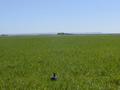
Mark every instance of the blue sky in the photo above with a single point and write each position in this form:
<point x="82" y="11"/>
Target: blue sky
<point x="51" y="16"/>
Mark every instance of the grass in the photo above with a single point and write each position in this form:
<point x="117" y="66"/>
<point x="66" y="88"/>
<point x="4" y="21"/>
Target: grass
<point x="81" y="62"/>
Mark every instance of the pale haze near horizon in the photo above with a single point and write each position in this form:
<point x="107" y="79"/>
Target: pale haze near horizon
<point x="52" y="16"/>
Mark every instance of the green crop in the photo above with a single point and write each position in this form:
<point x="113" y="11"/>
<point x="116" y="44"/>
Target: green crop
<point x="80" y="62"/>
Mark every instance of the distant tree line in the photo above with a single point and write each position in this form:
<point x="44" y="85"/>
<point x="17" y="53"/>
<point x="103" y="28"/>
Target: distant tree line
<point x="62" y="33"/>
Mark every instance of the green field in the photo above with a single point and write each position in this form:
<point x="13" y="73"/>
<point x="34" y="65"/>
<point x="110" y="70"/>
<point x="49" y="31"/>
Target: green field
<point x="81" y="62"/>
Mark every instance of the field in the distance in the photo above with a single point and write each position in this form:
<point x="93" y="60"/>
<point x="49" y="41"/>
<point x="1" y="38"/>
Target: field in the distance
<point x="81" y="62"/>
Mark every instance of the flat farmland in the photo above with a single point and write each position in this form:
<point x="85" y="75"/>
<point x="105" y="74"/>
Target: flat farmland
<point x="80" y="62"/>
